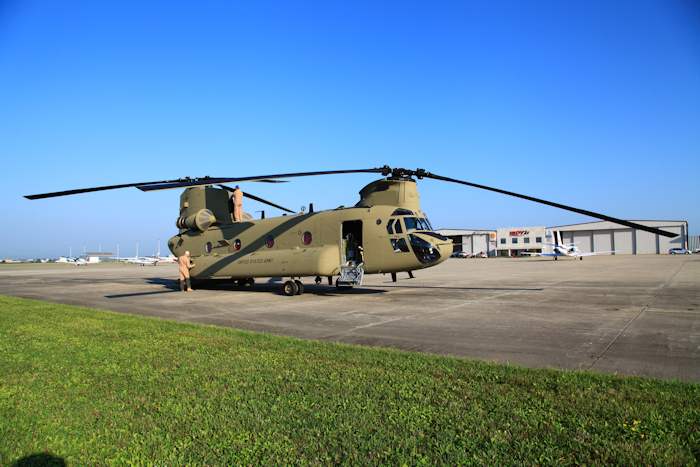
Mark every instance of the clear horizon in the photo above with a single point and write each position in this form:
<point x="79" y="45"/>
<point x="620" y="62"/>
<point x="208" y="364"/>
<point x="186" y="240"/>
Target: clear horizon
<point x="593" y="105"/>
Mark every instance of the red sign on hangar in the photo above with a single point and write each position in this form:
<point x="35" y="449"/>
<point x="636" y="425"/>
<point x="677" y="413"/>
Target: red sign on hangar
<point x="517" y="233"/>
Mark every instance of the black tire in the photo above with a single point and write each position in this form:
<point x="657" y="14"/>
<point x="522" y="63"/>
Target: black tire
<point x="290" y="288"/>
<point x="673" y="252"/>
<point x="300" y="287"/>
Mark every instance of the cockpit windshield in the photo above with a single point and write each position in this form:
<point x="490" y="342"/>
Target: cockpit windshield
<point x="412" y="223"/>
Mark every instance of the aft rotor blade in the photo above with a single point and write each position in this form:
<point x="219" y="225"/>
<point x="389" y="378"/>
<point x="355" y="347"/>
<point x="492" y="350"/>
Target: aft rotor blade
<point x="206" y="180"/>
<point x="200" y="182"/>
<point x="557" y="205"/>
<point x="203" y="181"/>
<point x="248" y="195"/>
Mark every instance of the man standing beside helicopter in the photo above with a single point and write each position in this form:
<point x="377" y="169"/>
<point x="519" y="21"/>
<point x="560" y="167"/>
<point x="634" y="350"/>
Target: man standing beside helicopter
<point x="237" y="204"/>
<point x="185" y="266"/>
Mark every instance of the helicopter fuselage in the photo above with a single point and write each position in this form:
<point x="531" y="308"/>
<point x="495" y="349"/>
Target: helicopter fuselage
<point x="382" y="238"/>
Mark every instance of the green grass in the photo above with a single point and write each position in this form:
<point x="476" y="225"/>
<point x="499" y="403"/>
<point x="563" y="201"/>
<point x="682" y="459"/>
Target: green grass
<point x="99" y="388"/>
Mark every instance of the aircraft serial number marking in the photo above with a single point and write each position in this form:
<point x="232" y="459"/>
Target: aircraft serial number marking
<point x="255" y="261"/>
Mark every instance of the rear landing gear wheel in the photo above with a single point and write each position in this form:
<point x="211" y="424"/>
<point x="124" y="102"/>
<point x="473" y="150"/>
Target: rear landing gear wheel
<point x="300" y="287"/>
<point x="290" y="288"/>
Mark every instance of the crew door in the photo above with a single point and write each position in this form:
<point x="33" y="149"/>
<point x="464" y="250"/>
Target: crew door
<point x="352" y="249"/>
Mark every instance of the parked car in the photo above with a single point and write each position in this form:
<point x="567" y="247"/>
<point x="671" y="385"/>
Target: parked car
<point x="678" y="251"/>
<point x="459" y="254"/>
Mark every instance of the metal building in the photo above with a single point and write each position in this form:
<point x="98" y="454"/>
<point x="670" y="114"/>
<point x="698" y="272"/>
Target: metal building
<point x="471" y="241"/>
<point x="608" y="236"/>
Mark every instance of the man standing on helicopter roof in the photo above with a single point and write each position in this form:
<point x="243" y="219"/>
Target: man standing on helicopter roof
<point x="237" y="204"/>
<point x="185" y="266"/>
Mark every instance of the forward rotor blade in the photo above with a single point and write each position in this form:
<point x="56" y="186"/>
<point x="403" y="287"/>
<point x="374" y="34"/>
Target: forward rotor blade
<point x="557" y="205"/>
<point x="248" y="195"/>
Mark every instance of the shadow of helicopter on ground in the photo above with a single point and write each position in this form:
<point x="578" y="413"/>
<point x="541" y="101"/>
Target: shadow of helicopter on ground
<point x="271" y="286"/>
<point x="274" y="286"/>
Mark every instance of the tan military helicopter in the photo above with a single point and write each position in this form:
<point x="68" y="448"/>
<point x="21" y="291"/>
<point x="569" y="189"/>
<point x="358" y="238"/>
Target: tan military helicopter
<point x="385" y="232"/>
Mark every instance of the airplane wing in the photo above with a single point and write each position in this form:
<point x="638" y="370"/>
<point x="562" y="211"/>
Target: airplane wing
<point x="596" y="253"/>
<point x="540" y="254"/>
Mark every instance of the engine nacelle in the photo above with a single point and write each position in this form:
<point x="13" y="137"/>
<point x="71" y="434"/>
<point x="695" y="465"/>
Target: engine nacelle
<point x="201" y="221"/>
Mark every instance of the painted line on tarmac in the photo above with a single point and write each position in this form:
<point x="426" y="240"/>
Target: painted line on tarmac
<point x="599" y="356"/>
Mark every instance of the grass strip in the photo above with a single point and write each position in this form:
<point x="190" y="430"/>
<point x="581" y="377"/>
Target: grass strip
<point x="101" y="388"/>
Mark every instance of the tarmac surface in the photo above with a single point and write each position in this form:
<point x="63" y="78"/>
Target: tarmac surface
<point x="627" y="315"/>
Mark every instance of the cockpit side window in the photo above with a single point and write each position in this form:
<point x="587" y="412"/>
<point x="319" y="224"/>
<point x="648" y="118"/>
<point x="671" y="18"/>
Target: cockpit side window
<point x="427" y="222"/>
<point x="397" y="226"/>
<point x="399" y="245"/>
<point x="412" y="223"/>
<point x="389" y="227"/>
<point x="426" y="225"/>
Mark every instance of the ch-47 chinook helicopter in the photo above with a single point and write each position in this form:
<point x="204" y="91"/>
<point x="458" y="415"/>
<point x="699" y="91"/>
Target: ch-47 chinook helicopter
<point x="385" y="232"/>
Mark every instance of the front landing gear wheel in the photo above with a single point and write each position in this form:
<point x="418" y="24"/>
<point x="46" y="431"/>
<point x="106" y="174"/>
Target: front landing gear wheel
<point x="300" y="287"/>
<point x="290" y="288"/>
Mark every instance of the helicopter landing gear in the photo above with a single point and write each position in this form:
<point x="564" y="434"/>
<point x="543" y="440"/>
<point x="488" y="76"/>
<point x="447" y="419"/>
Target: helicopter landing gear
<point x="246" y="282"/>
<point x="300" y="287"/>
<point x="290" y="288"/>
<point x="317" y="280"/>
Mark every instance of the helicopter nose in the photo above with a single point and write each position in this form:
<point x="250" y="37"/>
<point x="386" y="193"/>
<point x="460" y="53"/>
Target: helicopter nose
<point x="430" y="248"/>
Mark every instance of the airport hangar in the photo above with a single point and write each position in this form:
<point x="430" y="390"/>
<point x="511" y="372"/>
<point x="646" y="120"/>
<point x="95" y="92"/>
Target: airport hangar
<point x="588" y="237"/>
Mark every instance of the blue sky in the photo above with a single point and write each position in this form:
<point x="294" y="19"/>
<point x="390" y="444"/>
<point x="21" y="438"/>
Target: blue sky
<point x="590" y="104"/>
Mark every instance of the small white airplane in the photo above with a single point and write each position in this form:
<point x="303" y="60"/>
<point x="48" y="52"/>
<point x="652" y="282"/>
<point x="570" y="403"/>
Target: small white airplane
<point x="167" y="259"/>
<point x="567" y="249"/>
<point x="142" y="261"/>
<point x="66" y="260"/>
<point x="76" y="261"/>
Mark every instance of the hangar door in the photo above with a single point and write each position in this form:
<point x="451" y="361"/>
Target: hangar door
<point x="623" y="242"/>
<point x="583" y="241"/>
<point x="467" y="243"/>
<point x="666" y="243"/>
<point x="480" y="243"/>
<point x="602" y="240"/>
<point x="646" y="243"/>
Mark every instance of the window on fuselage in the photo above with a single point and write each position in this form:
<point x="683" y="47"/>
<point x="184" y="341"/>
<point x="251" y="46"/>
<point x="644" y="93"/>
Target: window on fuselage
<point x="390" y="227"/>
<point x="426" y="224"/>
<point x="397" y="226"/>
